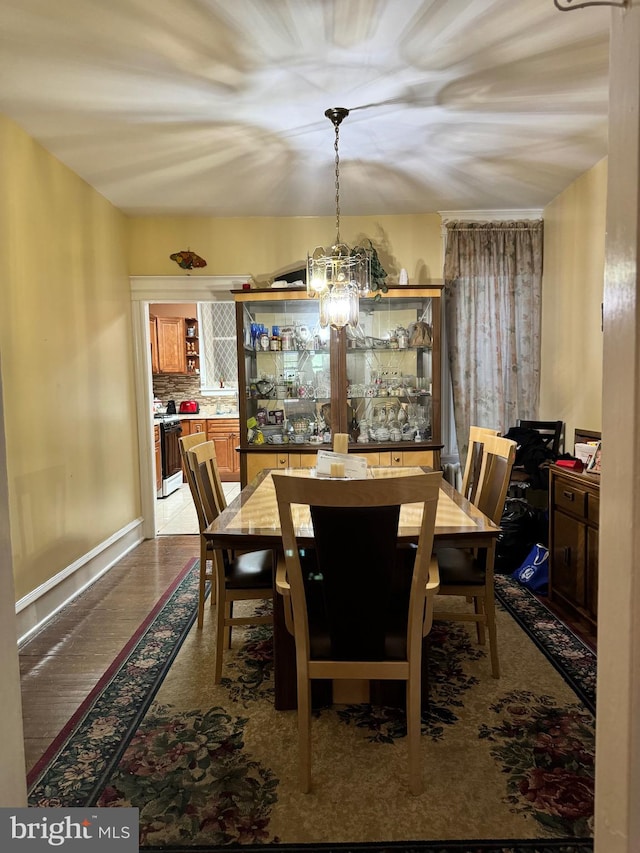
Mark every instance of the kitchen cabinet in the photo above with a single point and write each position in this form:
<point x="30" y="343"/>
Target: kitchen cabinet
<point x="168" y="339"/>
<point x="380" y="382"/>
<point x="574" y="508"/>
<point x="153" y="337"/>
<point x="158" y="457"/>
<point x="224" y="432"/>
<point x="192" y="346"/>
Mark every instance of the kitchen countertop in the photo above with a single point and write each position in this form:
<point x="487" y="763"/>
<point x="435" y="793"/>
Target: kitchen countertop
<point x="207" y="416"/>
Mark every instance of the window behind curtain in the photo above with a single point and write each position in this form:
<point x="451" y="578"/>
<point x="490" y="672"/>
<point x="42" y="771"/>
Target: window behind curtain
<point x="493" y="299"/>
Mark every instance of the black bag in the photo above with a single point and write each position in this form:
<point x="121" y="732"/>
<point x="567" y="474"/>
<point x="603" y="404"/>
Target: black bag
<point x="531" y="455"/>
<point x="522" y="526"/>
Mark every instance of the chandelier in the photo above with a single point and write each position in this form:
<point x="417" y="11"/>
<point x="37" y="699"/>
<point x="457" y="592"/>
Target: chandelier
<point x="337" y="274"/>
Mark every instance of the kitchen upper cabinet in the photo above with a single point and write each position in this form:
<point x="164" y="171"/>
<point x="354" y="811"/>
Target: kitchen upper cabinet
<point x="153" y="337"/>
<point x="169" y="345"/>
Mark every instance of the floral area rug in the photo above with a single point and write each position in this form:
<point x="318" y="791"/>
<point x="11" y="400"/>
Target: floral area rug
<point x="508" y="764"/>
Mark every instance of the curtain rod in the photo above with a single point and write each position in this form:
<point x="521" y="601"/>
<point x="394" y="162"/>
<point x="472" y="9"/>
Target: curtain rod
<point x="494" y="226"/>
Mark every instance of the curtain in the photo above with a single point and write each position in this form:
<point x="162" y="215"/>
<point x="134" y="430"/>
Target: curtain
<point x="493" y="302"/>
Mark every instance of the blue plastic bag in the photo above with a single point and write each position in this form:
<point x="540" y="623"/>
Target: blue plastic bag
<point x="534" y="571"/>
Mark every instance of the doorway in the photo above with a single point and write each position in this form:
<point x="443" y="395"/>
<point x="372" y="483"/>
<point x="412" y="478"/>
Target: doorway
<point x="146" y="290"/>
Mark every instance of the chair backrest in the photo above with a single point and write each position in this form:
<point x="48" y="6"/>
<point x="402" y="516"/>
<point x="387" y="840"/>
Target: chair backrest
<point x="552" y="433"/>
<point x="346" y="594"/>
<point x="475" y="446"/>
<point x="186" y="442"/>
<point x="204" y="466"/>
<point x="493" y="483"/>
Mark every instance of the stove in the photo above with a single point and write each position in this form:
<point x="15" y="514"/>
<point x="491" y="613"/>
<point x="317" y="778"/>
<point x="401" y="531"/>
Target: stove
<point x="167" y="419"/>
<point x="170" y="431"/>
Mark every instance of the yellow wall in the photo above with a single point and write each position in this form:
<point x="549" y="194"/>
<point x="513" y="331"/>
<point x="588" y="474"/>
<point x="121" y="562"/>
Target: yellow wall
<point x="262" y="247"/>
<point x="573" y="281"/>
<point x="67" y="362"/>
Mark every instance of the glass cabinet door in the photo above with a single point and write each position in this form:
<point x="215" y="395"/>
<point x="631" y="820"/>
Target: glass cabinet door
<point x="392" y="365"/>
<point x="286" y="371"/>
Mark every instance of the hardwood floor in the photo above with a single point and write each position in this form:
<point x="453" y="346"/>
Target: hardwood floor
<point x="62" y="663"/>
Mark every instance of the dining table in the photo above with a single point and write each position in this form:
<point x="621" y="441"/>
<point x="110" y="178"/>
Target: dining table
<point x="252" y="522"/>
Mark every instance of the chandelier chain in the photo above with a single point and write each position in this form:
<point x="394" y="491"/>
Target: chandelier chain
<point x="335" y="145"/>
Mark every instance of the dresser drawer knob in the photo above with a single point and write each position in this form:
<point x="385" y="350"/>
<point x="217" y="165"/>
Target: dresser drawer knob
<point x="570" y="496"/>
<point x="396" y="458"/>
<point x="566" y="554"/>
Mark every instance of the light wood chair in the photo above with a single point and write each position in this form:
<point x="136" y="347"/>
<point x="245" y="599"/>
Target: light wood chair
<point x="187" y="442"/>
<point x="473" y="464"/>
<point x="351" y="615"/>
<point x="238" y="577"/>
<point x="470" y="574"/>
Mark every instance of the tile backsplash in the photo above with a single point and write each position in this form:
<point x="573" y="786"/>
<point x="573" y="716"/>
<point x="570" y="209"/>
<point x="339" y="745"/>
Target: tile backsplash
<point x="182" y="387"/>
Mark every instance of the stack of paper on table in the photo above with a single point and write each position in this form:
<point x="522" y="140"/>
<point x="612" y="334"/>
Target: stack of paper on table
<point x="344" y="465"/>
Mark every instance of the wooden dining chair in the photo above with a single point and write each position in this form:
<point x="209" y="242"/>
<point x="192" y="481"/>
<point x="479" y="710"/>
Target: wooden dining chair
<point x="238" y="577"/>
<point x="350" y="614"/>
<point x="470" y="573"/>
<point x="186" y="442"/>
<point x="473" y="464"/>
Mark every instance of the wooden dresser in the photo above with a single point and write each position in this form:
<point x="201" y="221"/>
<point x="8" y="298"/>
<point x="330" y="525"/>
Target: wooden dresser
<point x="574" y="508"/>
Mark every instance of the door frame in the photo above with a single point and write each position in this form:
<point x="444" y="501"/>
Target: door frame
<point x="145" y="290"/>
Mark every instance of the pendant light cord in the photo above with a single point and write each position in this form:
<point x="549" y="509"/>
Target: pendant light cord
<point x="335" y="145"/>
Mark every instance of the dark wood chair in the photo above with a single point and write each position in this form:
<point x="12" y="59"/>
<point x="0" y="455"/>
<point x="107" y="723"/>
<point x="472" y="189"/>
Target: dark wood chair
<point x="368" y="615"/>
<point x="552" y="433"/>
<point x="530" y="476"/>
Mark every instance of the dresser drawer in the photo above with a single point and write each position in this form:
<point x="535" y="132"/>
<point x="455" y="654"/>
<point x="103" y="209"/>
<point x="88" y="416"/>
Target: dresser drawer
<point x="570" y="498"/>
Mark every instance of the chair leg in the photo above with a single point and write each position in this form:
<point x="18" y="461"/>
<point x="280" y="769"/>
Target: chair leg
<point x="213" y="595"/>
<point x="304" y="732"/>
<point x="490" y="612"/>
<point x="414" y="725"/>
<point x="228" y="613"/>
<point x="479" y="611"/>
<point x="202" y="582"/>
<point x="220" y="618"/>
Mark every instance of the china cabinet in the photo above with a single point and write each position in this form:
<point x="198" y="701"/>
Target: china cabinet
<point x="301" y="383"/>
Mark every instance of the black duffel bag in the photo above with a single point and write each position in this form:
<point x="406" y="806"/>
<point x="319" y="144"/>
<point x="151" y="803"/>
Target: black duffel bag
<point x="522" y="526"/>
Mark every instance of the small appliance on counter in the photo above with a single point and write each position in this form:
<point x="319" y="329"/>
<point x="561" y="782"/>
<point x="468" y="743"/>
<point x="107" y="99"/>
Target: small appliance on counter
<point x="189" y="407"/>
<point x="171" y="407"/>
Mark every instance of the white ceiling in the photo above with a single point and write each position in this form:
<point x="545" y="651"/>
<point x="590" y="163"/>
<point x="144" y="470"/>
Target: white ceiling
<point x="217" y="107"/>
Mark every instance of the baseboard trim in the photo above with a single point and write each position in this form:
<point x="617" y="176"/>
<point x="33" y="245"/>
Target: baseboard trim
<point x="36" y="608"/>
